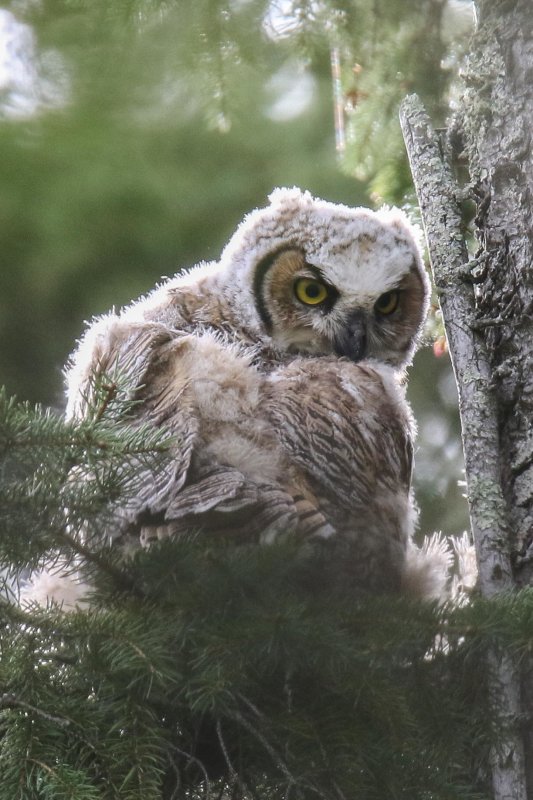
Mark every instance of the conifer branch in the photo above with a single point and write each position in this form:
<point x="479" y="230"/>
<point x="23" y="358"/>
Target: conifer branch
<point x="120" y="578"/>
<point x="9" y="700"/>
<point x="193" y="760"/>
<point x="276" y="758"/>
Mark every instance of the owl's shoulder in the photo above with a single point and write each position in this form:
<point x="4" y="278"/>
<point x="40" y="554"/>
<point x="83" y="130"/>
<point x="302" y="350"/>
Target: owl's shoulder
<point x="362" y="381"/>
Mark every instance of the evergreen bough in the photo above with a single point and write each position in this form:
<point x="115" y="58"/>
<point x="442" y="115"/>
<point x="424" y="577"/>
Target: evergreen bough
<point x="203" y="668"/>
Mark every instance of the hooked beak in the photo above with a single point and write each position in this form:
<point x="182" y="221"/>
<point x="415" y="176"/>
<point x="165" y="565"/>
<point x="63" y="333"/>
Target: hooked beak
<point x="351" y="341"/>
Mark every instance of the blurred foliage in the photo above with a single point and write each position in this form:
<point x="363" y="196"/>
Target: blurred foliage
<point x="136" y="134"/>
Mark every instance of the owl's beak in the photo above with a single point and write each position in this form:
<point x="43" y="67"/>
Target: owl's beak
<point x="351" y="340"/>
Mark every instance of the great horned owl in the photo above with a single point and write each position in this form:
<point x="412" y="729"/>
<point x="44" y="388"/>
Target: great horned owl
<point x="279" y="369"/>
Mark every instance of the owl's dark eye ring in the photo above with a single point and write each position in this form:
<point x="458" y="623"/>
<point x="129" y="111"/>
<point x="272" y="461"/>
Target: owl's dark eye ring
<point x="310" y="291"/>
<point x="387" y="303"/>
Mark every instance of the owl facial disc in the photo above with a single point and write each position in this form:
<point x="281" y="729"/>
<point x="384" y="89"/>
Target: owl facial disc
<point x="318" y="278"/>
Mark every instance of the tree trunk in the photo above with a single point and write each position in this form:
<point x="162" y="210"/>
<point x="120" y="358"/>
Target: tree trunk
<point x="487" y="306"/>
<point x="496" y="125"/>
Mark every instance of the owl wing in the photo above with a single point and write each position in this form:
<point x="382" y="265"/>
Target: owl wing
<point x="348" y="429"/>
<point x="117" y="376"/>
<point x="153" y="369"/>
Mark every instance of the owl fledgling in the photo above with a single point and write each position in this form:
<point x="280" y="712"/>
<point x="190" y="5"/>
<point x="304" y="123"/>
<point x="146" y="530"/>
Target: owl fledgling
<point x="279" y="368"/>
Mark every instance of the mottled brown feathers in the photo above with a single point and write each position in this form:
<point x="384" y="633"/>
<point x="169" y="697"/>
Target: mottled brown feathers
<point x="274" y="433"/>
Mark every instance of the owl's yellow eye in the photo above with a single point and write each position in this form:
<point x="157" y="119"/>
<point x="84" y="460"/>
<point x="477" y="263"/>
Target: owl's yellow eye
<point x="387" y="303"/>
<point x="310" y="291"/>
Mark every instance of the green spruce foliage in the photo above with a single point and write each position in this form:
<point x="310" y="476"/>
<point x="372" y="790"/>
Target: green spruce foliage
<point x="204" y="668"/>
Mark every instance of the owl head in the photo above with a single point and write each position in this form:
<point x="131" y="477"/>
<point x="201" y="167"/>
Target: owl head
<point x="320" y="278"/>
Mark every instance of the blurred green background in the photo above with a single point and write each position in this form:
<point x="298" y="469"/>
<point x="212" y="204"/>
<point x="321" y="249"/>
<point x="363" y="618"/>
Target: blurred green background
<point x="135" y="135"/>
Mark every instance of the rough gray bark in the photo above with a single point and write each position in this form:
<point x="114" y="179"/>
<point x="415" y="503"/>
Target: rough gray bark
<point x="438" y="197"/>
<point x="496" y="129"/>
<point x="490" y="328"/>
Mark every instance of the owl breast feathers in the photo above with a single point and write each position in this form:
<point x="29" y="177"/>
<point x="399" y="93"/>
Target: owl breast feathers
<point x="279" y="371"/>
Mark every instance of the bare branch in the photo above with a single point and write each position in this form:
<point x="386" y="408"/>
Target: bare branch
<point x="437" y="196"/>
<point x="11" y="701"/>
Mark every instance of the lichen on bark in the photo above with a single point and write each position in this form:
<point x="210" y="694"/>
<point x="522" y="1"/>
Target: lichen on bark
<point x="496" y="125"/>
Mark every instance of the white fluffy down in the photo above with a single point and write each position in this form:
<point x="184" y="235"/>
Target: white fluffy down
<point x="440" y="569"/>
<point x="224" y="390"/>
<point x="65" y="590"/>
